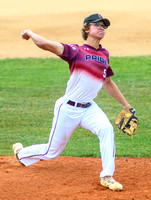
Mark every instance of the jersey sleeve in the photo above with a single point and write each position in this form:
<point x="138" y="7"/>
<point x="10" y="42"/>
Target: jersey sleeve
<point x="70" y="52"/>
<point x="109" y="72"/>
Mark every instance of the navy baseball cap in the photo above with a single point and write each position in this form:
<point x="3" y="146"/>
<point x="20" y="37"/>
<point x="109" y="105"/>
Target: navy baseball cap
<point x="95" y="18"/>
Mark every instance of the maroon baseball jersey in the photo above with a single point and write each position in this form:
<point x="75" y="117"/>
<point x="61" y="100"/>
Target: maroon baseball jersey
<point x="89" y="68"/>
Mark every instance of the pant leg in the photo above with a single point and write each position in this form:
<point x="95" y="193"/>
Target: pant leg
<point x="65" y="121"/>
<point x="97" y="122"/>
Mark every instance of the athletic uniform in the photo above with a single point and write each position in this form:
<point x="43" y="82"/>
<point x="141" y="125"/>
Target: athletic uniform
<point x="89" y="68"/>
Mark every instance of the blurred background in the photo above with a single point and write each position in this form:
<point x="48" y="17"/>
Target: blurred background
<point x="61" y="21"/>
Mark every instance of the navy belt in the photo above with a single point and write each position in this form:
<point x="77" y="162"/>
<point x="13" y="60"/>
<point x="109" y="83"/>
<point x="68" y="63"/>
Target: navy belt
<point x="72" y="103"/>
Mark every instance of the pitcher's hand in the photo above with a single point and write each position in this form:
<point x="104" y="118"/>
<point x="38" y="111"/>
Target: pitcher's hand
<point x="26" y="34"/>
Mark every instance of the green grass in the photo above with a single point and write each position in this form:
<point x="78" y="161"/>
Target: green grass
<point x="30" y="87"/>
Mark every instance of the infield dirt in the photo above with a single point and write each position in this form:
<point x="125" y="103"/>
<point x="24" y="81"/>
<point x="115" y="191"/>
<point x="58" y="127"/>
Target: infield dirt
<point x="70" y="177"/>
<point x="74" y="179"/>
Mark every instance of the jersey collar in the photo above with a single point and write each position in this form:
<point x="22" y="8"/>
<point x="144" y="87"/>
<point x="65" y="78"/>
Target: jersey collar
<point x="88" y="46"/>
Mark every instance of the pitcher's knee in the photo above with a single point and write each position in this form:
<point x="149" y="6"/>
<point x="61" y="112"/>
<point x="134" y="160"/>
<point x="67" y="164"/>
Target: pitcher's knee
<point x="53" y="153"/>
<point x="107" y="130"/>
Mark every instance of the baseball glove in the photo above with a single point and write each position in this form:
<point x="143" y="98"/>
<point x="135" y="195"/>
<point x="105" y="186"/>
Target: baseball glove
<point x="127" y="121"/>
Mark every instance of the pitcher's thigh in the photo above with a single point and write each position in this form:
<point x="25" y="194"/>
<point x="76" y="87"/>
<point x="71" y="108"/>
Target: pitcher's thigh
<point x="95" y="120"/>
<point x="63" y="126"/>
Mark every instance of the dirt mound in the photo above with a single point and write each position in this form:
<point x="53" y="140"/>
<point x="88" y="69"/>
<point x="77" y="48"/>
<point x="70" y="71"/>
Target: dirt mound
<point x="74" y="179"/>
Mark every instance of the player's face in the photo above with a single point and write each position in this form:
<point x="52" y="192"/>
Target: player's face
<point x="97" y="30"/>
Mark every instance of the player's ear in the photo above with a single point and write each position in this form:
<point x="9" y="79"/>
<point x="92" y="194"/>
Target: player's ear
<point x="86" y="28"/>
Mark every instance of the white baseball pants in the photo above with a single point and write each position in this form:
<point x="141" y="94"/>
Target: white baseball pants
<point x="66" y="119"/>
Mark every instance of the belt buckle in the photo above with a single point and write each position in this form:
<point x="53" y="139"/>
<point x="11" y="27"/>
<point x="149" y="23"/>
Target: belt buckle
<point x="79" y="105"/>
<point x="84" y="105"/>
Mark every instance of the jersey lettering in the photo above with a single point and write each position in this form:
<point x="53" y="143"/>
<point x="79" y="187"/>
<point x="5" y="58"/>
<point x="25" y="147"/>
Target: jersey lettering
<point x="96" y="58"/>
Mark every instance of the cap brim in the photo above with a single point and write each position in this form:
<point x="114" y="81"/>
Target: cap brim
<point x="106" y="21"/>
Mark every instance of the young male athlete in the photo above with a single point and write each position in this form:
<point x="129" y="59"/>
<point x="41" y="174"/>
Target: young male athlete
<point x="90" y="70"/>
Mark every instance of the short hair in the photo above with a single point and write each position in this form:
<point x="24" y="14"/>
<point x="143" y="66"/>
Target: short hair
<point x="85" y="27"/>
